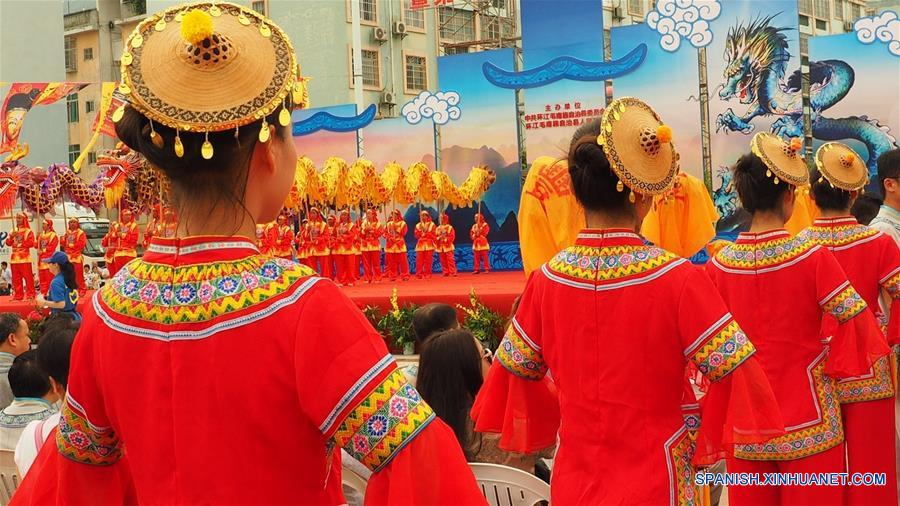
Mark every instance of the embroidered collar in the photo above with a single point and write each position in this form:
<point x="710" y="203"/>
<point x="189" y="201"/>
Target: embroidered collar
<point x="839" y="233"/>
<point x="199" y="249"/>
<point x="607" y="259"/>
<point x="889" y="212"/>
<point x="762" y="252"/>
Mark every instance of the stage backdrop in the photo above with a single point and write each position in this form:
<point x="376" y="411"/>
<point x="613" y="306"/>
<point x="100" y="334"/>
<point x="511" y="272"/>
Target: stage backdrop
<point x="321" y="145"/>
<point x="750" y="34"/>
<point x="867" y="76"/>
<point x="675" y="97"/>
<point x="485" y="134"/>
<point x="550" y="30"/>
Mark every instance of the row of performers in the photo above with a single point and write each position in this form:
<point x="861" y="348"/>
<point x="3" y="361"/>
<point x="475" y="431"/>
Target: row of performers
<point x="120" y="244"/>
<point x="337" y="247"/>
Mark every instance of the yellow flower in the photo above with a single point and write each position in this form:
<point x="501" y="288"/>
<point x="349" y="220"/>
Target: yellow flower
<point x="196" y="26"/>
<point x="394" y="305"/>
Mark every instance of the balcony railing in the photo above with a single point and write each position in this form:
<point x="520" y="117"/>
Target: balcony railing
<point x="132" y="8"/>
<point x="83" y="19"/>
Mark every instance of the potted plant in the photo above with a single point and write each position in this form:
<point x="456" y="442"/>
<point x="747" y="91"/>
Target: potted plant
<point x="485" y="324"/>
<point x="396" y="325"/>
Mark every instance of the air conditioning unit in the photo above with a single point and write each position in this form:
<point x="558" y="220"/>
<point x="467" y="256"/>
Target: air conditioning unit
<point x="618" y="13"/>
<point x="387" y="98"/>
<point x="848" y="26"/>
<point x="379" y="34"/>
<point x="400" y="28"/>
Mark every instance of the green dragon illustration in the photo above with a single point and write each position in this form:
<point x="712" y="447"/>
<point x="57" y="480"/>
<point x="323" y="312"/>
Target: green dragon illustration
<point x="756" y="56"/>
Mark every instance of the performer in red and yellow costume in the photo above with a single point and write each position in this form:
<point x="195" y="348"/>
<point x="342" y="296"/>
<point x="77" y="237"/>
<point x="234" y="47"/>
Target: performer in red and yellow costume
<point x="21" y="240"/>
<point x="345" y="250"/>
<point x="317" y="235"/>
<point x="620" y="426"/>
<point x="302" y="244"/>
<point x="332" y="245"/>
<point x="395" y="257"/>
<point x="169" y="226"/>
<point x="481" y="248"/>
<point x="780" y="288"/>
<point x="73" y="244"/>
<point x="263" y="239"/>
<point x="109" y="245"/>
<point x="126" y="241"/>
<point x="153" y="228"/>
<point x="872" y="264"/>
<point x="48" y="243"/>
<point x="371" y="232"/>
<point x="426" y="237"/>
<point x="282" y="238"/>
<point x="446" y="236"/>
<point x="184" y="313"/>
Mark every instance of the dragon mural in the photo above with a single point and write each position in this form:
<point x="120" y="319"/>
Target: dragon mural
<point x="756" y="56"/>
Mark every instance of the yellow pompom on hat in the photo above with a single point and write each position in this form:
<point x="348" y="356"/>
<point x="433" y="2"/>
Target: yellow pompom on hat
<point x="209" y="67"/>
<point x="841" y="166"/>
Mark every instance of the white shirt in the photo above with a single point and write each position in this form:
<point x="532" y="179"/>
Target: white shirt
<point x="7" y="275"/>
<point x="6" y="395"/>
<point x="32" y="440"/>
<point x="888" y="221"/>
<point x="19" y="414"/>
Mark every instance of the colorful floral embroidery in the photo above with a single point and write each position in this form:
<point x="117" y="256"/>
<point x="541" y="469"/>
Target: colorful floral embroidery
<point x="164" y="294"/>
<point x="82" y="442"/>
<point x="518" y="356"/>
<point x="877" y="386"/>
<point x="838" y="236"/>
<point x="383" y="422"/>
<point x="759" y="255"/>
<point x="826" y="434"/>
<point x="680" y="450"/>
<point x="723" y="351"/>
<point x="610" y="262"/>
<point x="845" y="304"/>
<point x="892" y="285"/>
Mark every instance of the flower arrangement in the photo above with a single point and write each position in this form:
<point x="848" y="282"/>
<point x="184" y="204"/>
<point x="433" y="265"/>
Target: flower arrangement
<point x="396" y="325"/>
<point x="485" y="324"/>
<point x="36" y="322"/>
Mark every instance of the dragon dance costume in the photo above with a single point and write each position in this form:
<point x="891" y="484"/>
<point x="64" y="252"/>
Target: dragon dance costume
<point x="371" y="231"/>
<point x="446" y="237"/>
<point x="481" y="248"/>
<point x="163" y="405"/>
<point x="48" y="243"/>
<point x="426" y="238"/>
<point x="345" y="250"/>
<point x="21" y="240"/>
<point x="582" y="314"/>
<point x="73" y="244"/>
<point x="780" y="287"/>
<point x="126" y="240"/>
<point x="395" y="257"/>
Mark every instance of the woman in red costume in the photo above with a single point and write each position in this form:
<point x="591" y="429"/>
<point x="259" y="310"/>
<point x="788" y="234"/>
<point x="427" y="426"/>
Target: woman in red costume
<point x="153" y="228"/>
<point x="872" y="263"/>
<point x="21" y="240"/>
<point x="623" y="437"/>
<point x="182" y="359"/>
<point x="395" y="247"/>
<point x="446" y="236"/>
<point x="481" y="248"/>
<point x="126" y="240"/>
<point x="73" y="244"/>
<point x="283" y="238"/>
<point x="345" y="251"/>
<point x="371" y="233"/>
<point x="426" y="237"/>
<point x="48" y="244"/>
<point x="780" y="287"/>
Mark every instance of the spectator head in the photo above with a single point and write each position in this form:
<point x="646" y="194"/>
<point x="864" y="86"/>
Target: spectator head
<point x="889" y="177"/>
<point x="4" y="265"/>
<point x="27" y="379"/>
<point x="865" y="209"/>
<point x="54" y="351"/>
<point x="450" y="375"/>
<point x="87" y="268"/>
<point x="433" y="318"/>
<point x="14" y="337"/>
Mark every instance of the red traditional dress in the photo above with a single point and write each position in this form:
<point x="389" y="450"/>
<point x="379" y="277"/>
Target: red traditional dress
<point x="370" y="235"/>
<point x="126" y="244"/>
<point x="21" y="240"/>
<point x="153" y="229"/>
<point x="780" y="288"/>
<point x="109" y="245"/>
<point x="73" y="245"/>
<point x="395" y="248"/>
<point x="426" y="235"/>
<point x="302" y="244"/>
<point x="282" y="240"/>
<point x="481" y="248"/>
<point x="48" y="243"/>
<point x="625" y="437"/>
<point x="319" y="251"/>
<point x="872" y="263"/>
<point x="185" y="310"/>
<point x="345" y="250"/>
<point x="446" y="236"/>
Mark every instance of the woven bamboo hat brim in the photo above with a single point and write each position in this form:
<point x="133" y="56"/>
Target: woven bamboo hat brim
<point x="234" y="71"/>
<point x="841" y="166"/>
<point x="781" y="158"/>
<point x="638" y="146"/>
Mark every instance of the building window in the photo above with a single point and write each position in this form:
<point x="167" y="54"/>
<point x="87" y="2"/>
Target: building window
<point x="71" y="63"/>
<point x="822" y="9"/>
<point x="88" y="53"/>
<point x="74" y="151"/>
<point x="72" y="107"/>
<point x="457" y="24"/>
<point x="839" y="9"/>
<point x="414" y="18"/>
<point x="804" y="20"/>
<point x="490" y="28"/>
<point x="821" y="25"/>
<point x="498" y="4"/>
<point x="92" y="157"/>
<point x="636" y="8"/>
<point x="371" y="68"/>
<point x="368" y="10"/>
<point x="260" y="6"/>
<point x="90" y="106"/>
<point x="855" y="12"/>
<point x="455" y="50"/>
<point x="805" y="7"/>
<point x="416" y="74"/>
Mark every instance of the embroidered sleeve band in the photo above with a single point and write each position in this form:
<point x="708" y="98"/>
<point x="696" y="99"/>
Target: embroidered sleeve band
<point x="79" y="440"/>
<point x="383" y="422"/>
<point x="892" y="284"/>
<point x="518" y="355"/>
<point x="723" y="351"/>
<point x="845" y="304"/>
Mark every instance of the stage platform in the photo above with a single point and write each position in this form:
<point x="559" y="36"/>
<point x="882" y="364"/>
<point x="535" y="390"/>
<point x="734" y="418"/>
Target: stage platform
<point x="496" y="290"/>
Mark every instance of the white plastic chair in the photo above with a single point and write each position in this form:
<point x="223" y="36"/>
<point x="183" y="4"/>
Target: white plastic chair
<point x="508" y="486"/>
<point x="355" y="483"/>
<point x="9" y="476"/>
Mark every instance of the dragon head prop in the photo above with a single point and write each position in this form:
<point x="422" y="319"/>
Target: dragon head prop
<point x="118" y="165"/>
<point x="752" y="52"/>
